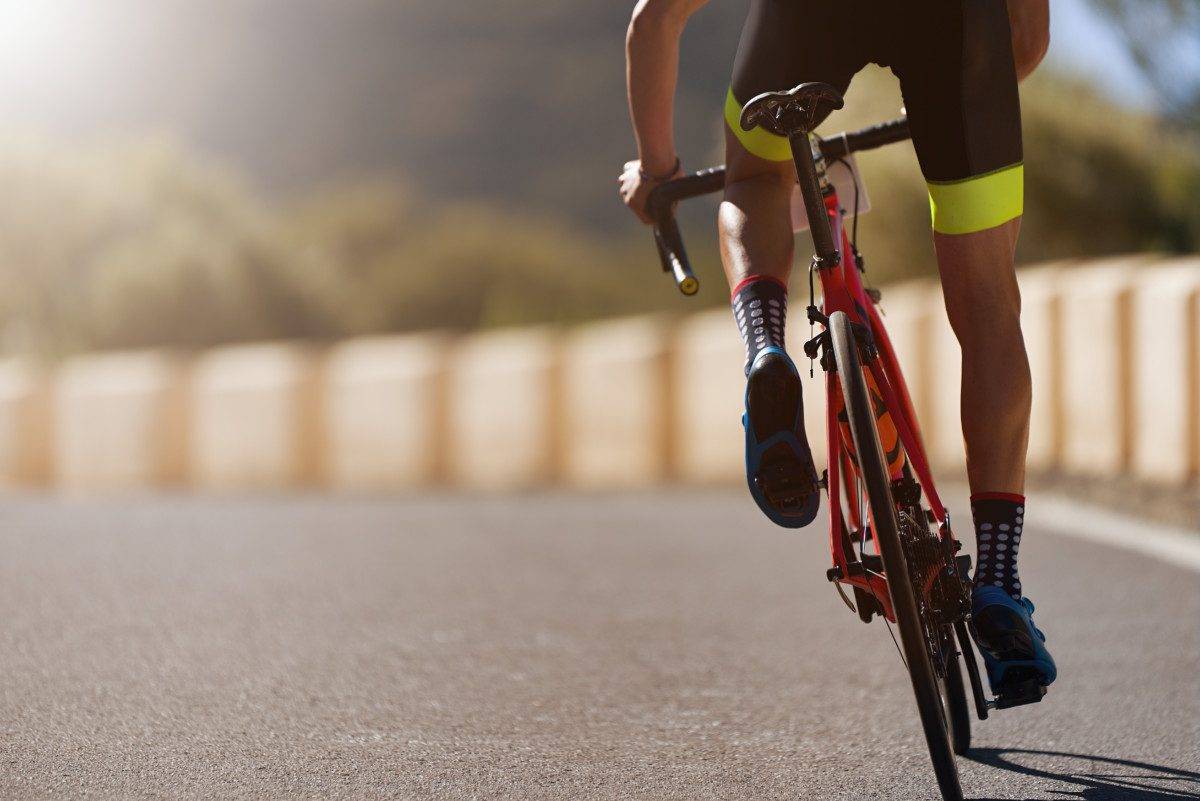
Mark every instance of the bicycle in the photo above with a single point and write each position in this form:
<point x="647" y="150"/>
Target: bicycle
<point x="889" y="533"/>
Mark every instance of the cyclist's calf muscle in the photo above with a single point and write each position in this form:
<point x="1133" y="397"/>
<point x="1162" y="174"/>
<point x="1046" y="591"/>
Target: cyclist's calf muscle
<point x="754" y="219"/>
<point x="983" y="304"/>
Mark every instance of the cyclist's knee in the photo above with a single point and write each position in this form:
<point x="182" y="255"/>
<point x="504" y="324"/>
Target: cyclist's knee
<point x="758" y="191"/>
<point x="981" y="259"/>
<point x="745" y="168"/>
<point x="979" y="203"/>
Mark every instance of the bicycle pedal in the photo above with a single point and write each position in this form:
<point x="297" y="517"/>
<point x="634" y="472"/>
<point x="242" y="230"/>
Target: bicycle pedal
<point x="786" y="485"/>
<point x="1019" y="693"/>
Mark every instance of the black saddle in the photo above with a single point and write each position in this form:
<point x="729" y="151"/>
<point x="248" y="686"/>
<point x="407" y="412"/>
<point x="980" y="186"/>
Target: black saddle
<point x="797" y="110"/>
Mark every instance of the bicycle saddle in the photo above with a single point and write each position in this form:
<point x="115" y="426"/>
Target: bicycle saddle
<point x="797" y="110"/>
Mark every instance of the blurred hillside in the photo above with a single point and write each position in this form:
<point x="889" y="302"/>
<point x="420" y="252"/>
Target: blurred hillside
<point x="129" y="245"/>
<point x="373" y="166"/>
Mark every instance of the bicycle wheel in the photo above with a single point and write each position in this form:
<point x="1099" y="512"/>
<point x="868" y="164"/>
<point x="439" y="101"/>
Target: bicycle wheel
<point x="958" y="714"/>
<point x="877" y="481"/>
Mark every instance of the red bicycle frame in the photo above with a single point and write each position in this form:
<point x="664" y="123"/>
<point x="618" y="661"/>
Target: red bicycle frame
<point x="842" y="290"/>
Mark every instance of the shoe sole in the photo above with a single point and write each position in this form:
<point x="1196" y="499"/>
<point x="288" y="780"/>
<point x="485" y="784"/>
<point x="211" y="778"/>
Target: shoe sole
<point x="773" y="404"/>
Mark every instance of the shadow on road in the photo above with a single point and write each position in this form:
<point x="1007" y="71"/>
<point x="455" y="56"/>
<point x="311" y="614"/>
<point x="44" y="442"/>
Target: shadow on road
<point x="1100" y="778"/>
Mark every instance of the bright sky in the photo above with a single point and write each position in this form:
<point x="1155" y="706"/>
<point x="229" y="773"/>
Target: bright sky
<point x="35" y="34"/>
<point x="1081" y="42"/>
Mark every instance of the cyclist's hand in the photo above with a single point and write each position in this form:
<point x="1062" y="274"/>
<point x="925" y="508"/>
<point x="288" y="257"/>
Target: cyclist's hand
<point x="636" y="186"/>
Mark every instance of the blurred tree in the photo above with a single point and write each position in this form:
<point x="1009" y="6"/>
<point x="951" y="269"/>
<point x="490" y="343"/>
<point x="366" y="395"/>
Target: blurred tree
<point x="117" y="245"/>
<point x="1163" y="37"/>
<point x="1101" y="179"/>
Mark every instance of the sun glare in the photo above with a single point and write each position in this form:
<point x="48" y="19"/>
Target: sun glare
<point x="38" y="33"/>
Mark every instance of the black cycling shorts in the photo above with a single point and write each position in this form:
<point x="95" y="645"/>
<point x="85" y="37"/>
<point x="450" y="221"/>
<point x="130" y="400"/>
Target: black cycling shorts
<point x="955" y="65"/>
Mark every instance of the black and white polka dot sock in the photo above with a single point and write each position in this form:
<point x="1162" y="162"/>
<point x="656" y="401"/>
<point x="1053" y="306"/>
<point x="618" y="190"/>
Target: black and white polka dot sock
<point x="760" y="309"/>
<point x="999" y="519"/>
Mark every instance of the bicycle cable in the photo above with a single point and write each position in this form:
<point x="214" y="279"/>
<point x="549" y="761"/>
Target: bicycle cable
<point x="892" y="634"/>
<point x="886" y="622"/>
<point x="853" y="225"/>
<point x="858" y="262"/>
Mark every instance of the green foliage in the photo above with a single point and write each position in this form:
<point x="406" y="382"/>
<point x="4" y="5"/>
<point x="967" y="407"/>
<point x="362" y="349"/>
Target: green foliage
<point x="1103" y="180"/>
<point x="122" y="245"/>
<point x="459" y="265"/>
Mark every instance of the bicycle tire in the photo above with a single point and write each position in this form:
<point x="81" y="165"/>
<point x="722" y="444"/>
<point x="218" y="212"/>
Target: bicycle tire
<point x="877" y="481"/>
<point x="958" y="714"/>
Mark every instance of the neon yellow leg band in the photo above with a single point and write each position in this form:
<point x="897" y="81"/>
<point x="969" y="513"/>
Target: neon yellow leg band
<point x="761" y="143"/>
<point x="979" y="203"/>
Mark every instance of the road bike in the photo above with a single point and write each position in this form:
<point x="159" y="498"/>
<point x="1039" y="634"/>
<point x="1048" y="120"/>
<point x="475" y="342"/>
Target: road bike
<point x="889" y="532"/>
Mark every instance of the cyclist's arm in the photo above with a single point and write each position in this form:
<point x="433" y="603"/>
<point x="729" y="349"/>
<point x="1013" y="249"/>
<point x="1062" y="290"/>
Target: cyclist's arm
<point x="652" y="68"/>
<point x="1030" y="23"/>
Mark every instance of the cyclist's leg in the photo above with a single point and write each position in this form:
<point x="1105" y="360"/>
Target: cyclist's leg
<point x="984" y="306"/>
<point x="956" y="67"/>
<point x="783" y="44"/>
<point x="754" y="218"/>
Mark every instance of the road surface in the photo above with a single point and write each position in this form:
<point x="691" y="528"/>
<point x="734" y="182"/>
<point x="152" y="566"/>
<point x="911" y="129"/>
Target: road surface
<point x="660" y="646"/>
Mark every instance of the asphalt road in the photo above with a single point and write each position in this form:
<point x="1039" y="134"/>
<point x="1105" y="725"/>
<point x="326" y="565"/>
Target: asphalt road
<point x="570" y="647"/>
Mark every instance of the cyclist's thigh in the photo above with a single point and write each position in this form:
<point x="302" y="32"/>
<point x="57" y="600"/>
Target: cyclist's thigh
<point x="785" y="43"/>
<point x="956" y="71"/>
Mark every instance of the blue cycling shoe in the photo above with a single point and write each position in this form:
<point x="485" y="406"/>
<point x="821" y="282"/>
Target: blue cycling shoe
<point x="1018" y="665"/>
<point x="779" y="464"/>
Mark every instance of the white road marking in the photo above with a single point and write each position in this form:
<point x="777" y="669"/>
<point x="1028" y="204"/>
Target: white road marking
<point x="1175" y="546"/>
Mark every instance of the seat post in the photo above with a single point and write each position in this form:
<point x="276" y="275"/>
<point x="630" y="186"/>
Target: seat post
<point x="814" y="201"/>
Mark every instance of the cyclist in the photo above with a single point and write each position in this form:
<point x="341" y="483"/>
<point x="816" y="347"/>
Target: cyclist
<point x="958" y="62"/>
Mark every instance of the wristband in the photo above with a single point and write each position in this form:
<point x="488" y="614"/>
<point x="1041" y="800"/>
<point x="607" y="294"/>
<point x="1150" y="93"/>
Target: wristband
<point x="648" y="177"/>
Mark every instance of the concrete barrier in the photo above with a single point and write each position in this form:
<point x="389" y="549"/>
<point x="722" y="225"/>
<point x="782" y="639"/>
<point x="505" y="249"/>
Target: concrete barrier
<point x="1041" y="323"/>
<point x="120" y="422"/>
<point x="1165" y="372"/>
<point x="618" y="404"/>
<point x="504" y="410"/>
<point x="910" y="311"/>
<point x="1114" y="349"/>
<point x="1096" y="376"/>
<point x="943" y="394"/>
<point x="26" y="423"/>
<point x="255" y="421"/>
<point x="385" y="413"/>
<point x="709" y="390"/>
